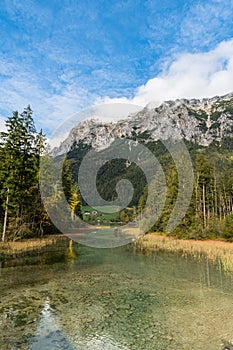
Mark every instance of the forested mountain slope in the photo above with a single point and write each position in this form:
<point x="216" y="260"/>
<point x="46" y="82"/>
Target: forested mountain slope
<point x="206" y="127"/>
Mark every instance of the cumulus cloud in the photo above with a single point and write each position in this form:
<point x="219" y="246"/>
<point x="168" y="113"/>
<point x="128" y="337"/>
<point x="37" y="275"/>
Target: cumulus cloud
<point x="188" y="76"/>
<point x="195" y="75"/>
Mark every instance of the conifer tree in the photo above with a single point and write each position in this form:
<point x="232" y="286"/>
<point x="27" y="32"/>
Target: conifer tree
<point x="20" y="151"/>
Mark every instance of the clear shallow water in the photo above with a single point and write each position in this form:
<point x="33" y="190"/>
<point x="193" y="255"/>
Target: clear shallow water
<point x="115" y="300"/>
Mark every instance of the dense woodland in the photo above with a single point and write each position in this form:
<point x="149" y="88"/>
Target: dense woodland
<point x="22" y="214"/>
<point x="210" y="214"/>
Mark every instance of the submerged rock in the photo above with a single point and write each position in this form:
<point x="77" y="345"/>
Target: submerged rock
<point x="227" y="345"/>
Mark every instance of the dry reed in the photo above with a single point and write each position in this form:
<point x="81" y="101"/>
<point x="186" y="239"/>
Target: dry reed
<point x="7" y="248"/>
<point x="216" y="251"/>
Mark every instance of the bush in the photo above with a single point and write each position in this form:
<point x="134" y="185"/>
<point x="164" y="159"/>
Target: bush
<point x="228" y="227"/>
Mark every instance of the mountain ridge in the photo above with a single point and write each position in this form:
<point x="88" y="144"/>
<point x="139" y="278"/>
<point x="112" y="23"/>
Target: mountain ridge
<point x="199" y="121"/>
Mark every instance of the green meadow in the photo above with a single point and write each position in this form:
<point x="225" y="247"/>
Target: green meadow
<point x="104" y="213"/>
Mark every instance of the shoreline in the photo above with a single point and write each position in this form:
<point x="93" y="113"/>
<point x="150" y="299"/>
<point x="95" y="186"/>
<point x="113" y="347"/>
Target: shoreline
<point x="214" y="250"/>
<point x="30" y="243"/>
<point x="32" y="250"/>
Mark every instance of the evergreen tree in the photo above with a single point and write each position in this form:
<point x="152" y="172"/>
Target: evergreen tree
<point x="20" y="153"/>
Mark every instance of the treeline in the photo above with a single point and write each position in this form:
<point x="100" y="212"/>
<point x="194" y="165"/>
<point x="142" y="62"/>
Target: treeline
<point x="210" y="214"/>
<point x="22" y="213"/>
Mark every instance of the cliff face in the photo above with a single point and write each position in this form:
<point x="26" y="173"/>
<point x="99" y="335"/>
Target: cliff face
<point x="200" y="121"/>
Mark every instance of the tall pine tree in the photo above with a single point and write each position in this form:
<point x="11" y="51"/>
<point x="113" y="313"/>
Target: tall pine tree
<point x="20" y="152"/>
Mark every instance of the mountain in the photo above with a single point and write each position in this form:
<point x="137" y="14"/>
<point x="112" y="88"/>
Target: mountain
<point x="205" y="126"/>
<point x="202" y="122"/>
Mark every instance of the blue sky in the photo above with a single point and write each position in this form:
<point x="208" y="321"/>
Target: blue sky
<point x="63" y="56"/>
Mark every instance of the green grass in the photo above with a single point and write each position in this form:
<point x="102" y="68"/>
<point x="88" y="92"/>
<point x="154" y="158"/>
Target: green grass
<point x="104" y="212"/>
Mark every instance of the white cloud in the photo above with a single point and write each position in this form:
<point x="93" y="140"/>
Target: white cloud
<point x="104" y="113"/>
<point x="2" y="125"/>
<point x="206" y="22"/>
<point x="188" y="76"/>
<point x="22" y="87"/>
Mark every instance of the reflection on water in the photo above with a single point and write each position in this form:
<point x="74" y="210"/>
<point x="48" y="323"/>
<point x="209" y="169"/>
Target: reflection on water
<point x="48" y="334"/>
<point x="115" y="300"/>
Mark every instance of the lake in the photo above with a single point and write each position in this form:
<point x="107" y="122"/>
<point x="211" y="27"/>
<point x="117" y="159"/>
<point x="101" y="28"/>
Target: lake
<point x="116" y="299"/>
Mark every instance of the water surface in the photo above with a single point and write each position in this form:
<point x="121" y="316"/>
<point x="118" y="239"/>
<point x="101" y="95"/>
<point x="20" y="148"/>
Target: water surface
<point x="115" y="299"/>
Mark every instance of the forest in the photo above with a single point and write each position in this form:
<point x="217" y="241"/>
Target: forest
<point x="210" y="214"/>
<point x="22" y="213"/>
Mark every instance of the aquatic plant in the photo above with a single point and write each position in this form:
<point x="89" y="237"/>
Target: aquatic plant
<point x="216" y="251"/>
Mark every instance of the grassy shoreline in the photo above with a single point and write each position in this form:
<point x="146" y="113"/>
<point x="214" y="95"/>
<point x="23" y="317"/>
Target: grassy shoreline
<point x="12" y="253"/>
<point x="214" y="250"/>
<point x="30" y="244"/>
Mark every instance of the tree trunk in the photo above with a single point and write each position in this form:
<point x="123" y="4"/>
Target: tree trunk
<point x="204" y="205"/>
<point x="215" y="195"/>
<point x="196" y="196"/>
<point x="5" y="218"/>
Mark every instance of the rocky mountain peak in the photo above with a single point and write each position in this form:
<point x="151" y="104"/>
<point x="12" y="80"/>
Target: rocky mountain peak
<point x="201" y="121"/>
